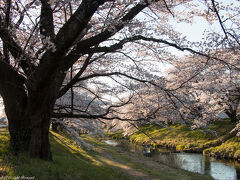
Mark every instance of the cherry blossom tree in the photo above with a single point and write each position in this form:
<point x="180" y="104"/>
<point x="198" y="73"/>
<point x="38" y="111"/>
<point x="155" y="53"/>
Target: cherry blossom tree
<point x="209" y="84"/>
<point x="201" y="86"/>
<point x="43" y="41"/>
<point x="40" y="43"/>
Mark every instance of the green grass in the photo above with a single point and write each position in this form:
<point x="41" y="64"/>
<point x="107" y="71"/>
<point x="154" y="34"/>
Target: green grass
<point x="222" y="127"/>
<point x="69" y="162"/>
<point x="179" y="136"/>
<point x="115" y="135"/>
<point x="72" y="162"/>
<point x="229" y="149"/>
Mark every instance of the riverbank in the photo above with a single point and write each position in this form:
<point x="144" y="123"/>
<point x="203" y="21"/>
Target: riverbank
<point x="72" y="162"/>
<point x="181" y="139"/>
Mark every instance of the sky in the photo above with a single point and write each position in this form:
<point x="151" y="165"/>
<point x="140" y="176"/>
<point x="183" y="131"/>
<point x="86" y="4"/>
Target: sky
<point x="195" y="31"/>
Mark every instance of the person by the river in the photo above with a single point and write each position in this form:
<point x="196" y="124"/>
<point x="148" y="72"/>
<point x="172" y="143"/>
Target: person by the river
<point x="151" y="148"/>
<point x="144" y="147"/>
<point x="148" y="148"/>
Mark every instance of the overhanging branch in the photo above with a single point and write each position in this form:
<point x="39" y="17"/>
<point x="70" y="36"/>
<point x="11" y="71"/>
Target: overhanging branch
<point x="120" y="44"/>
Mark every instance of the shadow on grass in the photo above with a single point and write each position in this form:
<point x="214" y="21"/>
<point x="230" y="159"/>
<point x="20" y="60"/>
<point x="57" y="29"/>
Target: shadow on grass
<point x="69" y="162"/>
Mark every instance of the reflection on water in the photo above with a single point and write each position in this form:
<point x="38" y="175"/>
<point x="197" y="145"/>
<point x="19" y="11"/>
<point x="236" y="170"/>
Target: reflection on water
<point x="111" y="142"/>
<point x="187" y="161"/>
<point x="218" y="169"/>
<point x="199" y="164"/>
<point x="221" y="171"/>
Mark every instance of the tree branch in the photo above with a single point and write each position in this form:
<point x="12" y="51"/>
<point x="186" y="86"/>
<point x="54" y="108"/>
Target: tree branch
<point x="120" y="44"/>
<point x="104" y="35"/>
<point x="76" y="24"/>
<point x="11" y="86"/>
<point x="53" y="58"/>
<point x="16" y="51"/>
<point x="75" y="79"/>
<point x="7" y="23"/>
<point x="219" y="18"/>
<point x="91" y="116"/>
<point x="46" y="20"/>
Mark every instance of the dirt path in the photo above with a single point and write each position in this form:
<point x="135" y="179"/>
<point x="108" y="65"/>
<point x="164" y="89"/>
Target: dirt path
<point x="141" y="167"/>
<point x="118" y="159"/>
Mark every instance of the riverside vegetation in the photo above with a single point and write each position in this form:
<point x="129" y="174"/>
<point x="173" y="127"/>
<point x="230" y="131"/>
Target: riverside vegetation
<point x="181" y="138"/>
<point x="72" y="162"/>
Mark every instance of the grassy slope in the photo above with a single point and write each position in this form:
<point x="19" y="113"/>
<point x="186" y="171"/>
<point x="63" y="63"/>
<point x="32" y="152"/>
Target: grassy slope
<point x="229" y="149"/>
<point x="184" y="139"/>
<point x="71" y="162"/>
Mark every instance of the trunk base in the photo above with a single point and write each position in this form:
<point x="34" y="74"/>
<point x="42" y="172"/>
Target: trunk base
<point x="19" y="139"/>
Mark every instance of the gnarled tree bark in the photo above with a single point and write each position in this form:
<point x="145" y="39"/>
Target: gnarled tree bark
<point x="40" y="108"/>
<point x="15" y="100"/>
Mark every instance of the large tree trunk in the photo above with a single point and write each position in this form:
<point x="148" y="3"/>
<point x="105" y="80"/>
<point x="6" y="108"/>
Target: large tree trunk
<point x="19" y="128"/>
<point x="39" y="146"/>
<point x="18" y="122"/>
<point x="29" y="110"/>
<point x="20" y="132"/>
<point x="15" y="99"/>
<point x="40" y="108"/>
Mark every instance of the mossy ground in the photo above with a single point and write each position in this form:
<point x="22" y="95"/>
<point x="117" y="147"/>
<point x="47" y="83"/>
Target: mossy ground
<point x="182" y="138"/>
<point x="229" y="149"/>
<point x="72" y="162"/>
<point x="115" y="135"/>
<point x="178" y="136"/>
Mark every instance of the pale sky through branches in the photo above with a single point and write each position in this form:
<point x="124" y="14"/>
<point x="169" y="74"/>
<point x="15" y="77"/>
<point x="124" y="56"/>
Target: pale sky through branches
<point x="198" y="29"/>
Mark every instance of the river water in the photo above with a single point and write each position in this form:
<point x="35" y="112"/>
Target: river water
<point x="219" y="170"/>
<point x="194" y="162"/>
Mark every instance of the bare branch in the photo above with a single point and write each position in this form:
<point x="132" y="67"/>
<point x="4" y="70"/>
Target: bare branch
<point x="219" y="18"/>
<point x="20" y="20"/>
<point x="168" y="8"/>
<point x="120" y="44"/>
<point x="92" y="116"/>
<point x="75" y="78"/>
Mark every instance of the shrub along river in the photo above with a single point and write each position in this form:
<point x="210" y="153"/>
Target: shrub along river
<point x="194" y="162"/>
